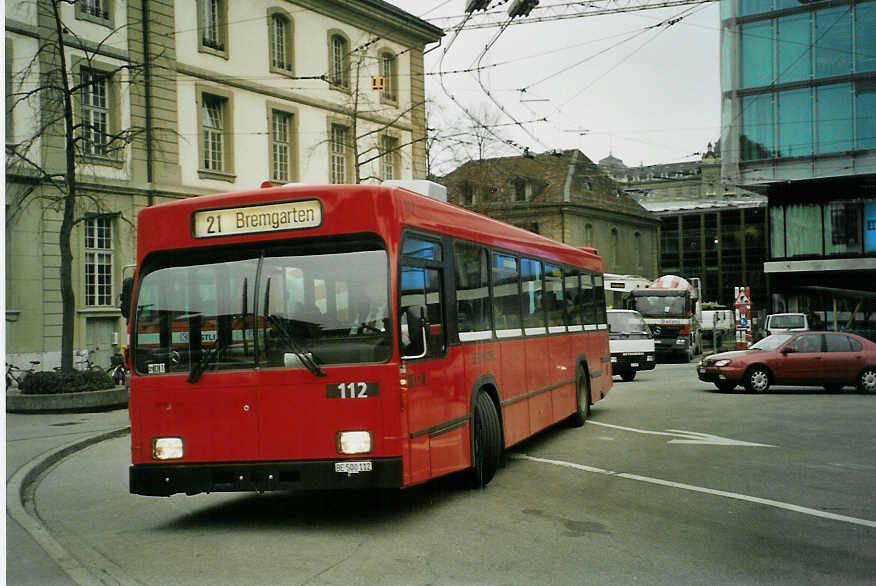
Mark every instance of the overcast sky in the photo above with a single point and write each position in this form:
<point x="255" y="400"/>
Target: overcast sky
<point x="604" y="83"/>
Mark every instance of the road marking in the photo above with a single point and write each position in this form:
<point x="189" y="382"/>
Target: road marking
<point x="700" y="489"/>
<point x="689" y="437"/>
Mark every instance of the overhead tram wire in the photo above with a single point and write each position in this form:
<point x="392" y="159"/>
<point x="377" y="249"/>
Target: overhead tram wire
<point x="589" y="12"/>
<point x="662" y="27"/>
<point x="480" y="124"/>
<point x="489" y="94"/>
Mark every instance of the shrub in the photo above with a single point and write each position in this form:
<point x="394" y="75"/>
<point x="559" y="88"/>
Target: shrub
<point x="55" y="382"/>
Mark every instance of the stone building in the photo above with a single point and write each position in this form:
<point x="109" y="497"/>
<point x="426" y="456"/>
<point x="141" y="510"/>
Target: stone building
<point x="565" y="196"/>
<point x="213" y="96"/>
<point x="708" y="228"/>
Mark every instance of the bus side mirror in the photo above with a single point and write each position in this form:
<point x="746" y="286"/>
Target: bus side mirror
<point x="415" y="346"/>
<point x="125" y="297"/>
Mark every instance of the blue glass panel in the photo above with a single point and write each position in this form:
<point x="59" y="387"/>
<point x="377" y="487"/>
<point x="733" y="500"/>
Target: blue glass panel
<point x="870" y="226"/>
<point x="754" y="6"/>
<point x="794" y="47"/>
<point x="833" y="118"/>
<point x="756" y="66"/>
<point x="726" y="9"/>
<point x="865" y="120"/>
<point x="795" y="122"/>
<point x="865" y="36"/>
<point x="419" y="248"/>
<point x="756" y="140"/>
<point x="782" y="4"/>
<point x="833" y="41"/>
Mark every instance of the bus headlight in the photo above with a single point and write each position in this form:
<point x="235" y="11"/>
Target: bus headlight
<point x="167" y="448"/>
<point x="354" y="442"/>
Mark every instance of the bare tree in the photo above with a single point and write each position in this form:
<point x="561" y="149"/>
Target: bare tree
<point x="48" y="87"/>
<point x="364" y="110"/>
<point x="477" y="136"/>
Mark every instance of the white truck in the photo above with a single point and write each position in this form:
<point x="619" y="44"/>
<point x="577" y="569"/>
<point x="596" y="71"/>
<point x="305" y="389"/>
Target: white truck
<point x="671" y="307"/>
<point x="718" y="325"/>
<point x="631" y="343"/>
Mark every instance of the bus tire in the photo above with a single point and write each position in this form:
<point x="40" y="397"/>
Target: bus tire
<point x="487" y="441"/>
<point x="628" y="375"/>
<point x="582" y="399"/>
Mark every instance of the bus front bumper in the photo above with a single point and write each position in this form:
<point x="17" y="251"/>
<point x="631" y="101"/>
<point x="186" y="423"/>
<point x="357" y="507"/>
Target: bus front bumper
<point x="168" y="479"/>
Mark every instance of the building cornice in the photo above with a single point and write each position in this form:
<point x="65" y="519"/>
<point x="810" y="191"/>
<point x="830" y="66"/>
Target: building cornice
<point x="401" y="27"/>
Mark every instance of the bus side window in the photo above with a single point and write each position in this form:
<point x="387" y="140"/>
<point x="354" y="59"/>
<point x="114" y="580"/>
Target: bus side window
<point x="472" y="292"/>
<point x="422" y="309"/>
<point x="587" y="301"/>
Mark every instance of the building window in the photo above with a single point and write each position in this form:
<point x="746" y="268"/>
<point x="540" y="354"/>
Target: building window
<point x="637" y="249"/>
<point x="842" y="227"/>
<point x="588" y="235"/>
<point x="757" y="141"/>
<point x="96" y="11"/>
<point x="389" y="72"/>
<point x="519" y="190"/>
<point x="795" y="122"/>
<point x="281" y="139"/>
<point x="281" y="42"/>
<point x="338" y="153"/>
<point x="388" y="155"/>
<point x="865" y="106"/>
<point x="756" y="54"/>
<point x="212" y="25"/>
<point x="213" y="124"/>
<point x="467" y="194"/>
<point x="865" y="40"/>
<point x="833" y="50"/>
<point x="615" y="244"/>
<point x="95" y="105"/>
<point x="98" y="261"/>
<point x="339" y="60"/>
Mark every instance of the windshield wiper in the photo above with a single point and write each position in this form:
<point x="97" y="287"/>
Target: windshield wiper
<point x="304" y="356"/>
<point x="207" y="358"/>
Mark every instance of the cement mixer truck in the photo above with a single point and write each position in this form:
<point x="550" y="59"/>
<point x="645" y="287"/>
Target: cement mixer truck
<point x="671" y="308"/>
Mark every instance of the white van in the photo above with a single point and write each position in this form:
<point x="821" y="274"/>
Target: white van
<point x="778" y="323"/>
<point x="631" y="343"/>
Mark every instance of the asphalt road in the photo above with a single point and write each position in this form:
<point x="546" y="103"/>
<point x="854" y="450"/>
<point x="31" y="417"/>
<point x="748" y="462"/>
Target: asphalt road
<point x="671" y="482"/>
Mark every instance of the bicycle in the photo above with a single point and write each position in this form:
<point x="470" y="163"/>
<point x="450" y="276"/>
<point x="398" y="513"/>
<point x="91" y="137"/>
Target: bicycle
<point x="14" y="374"/>
<point x="117" y="370"/>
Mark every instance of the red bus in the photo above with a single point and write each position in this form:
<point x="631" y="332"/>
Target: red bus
<point x="350" y="336"/>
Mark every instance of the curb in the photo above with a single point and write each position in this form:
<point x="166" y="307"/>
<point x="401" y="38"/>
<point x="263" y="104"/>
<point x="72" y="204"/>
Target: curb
<point x="20" y="490"/>
<point x="66" y="402"/>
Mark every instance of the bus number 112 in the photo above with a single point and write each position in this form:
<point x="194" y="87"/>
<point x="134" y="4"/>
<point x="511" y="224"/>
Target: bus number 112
<point x="352" y="390"/>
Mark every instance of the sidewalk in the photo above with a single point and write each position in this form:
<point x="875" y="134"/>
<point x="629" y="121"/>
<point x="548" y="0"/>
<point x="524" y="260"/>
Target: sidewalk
<point x="31" y="439"/>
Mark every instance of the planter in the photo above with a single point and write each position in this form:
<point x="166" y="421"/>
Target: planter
<point x="88" y="401"/>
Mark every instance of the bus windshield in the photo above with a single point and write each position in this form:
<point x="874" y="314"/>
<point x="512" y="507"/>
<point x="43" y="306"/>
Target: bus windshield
<point x="285" y="306"/>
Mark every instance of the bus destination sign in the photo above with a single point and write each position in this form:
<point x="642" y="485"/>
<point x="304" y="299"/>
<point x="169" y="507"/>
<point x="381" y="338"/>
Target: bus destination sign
<point x="278" y="217"/>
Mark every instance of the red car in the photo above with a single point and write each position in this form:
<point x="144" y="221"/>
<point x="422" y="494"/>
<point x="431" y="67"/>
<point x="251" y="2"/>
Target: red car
<point x="829" y="359"/>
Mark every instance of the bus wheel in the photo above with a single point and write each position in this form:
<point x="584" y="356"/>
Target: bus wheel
<point x="582" y="401"/>
<point x="487" y="444"/>
<point x="628" y="375"/>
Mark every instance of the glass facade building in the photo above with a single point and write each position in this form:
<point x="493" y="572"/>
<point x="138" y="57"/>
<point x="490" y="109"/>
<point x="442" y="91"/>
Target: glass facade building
<point x="799" y="125"/>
